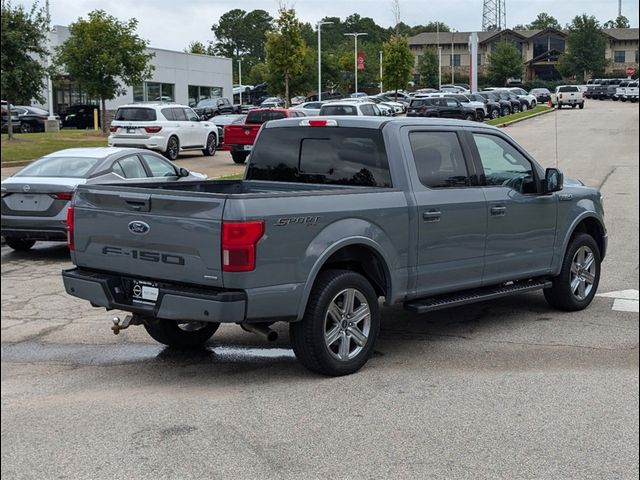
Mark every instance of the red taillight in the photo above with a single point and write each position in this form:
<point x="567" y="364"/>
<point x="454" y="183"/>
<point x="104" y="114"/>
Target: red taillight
<point x="239" y="245"/>
<point x="42" y="117"/>
<point x="70" y="242"/>
<point x="62" y="195"/>
<point x="113" y="129"/>
<point x="152" y="129"/>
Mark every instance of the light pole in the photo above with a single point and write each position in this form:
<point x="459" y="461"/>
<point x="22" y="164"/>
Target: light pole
<point x="355" y="36"/>
<point x="452" y="62"/>
<point x="380" y="52"/>
<point x="51" y="123"/>
<point x="319" y="26"/>
<point x="240" y="79"/>
<point x="439" y="67"/>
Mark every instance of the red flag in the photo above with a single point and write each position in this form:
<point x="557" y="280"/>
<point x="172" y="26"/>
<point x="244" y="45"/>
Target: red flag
<point x="360" y="60"/>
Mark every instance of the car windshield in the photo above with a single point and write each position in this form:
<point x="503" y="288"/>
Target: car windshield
<point x="206" y="102"/>
<point x="264" y="116"/>
<point x="229" y="119"/>
<point x="567" y="89"/>
<point x="135" y="114"/>
<point x="36" y="111"/>
<point x="69" y="167"/>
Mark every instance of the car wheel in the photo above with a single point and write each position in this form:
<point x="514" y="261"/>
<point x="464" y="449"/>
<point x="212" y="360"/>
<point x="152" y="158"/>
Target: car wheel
<point x="19" y="244"/>
<point x="516" y="109"/>
<point x="506" y="111"/>
<point x="559" y="106"/>
<point x="495" y="113"/>
<point x="581" y="106"/>
<point x="173" y="147"/>
<point x="210" y="151"/>
<point x="25" y="128"/>
<point x="338" y="331"/>
<point x="470" y="117"/>
<point x="623" y="99"/>
<point x="524" y="107"/>
<point x="577" y="283"/>
<point x="239" y="157"/>
<point x="180" y="335"/>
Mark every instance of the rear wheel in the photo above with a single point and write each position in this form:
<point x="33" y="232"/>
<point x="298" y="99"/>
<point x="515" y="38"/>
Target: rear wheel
<point x="180" y="335"/>
<point x="495" y="113"/>
<point x="524" y="107"/>
<point x="470" y="117"/>
<point x="516" y="109"/>
<point x="25" y="127"/>
<point x="239" y="157"/>
<point x="506" y="111"/>
<point x="581" y="106"/>
<point x="340" y="325"/>
<point x="20" y="244"/>
<point x="210" y="149"/>
<point x="559" y="105"/>
<point x="173" y="147"/>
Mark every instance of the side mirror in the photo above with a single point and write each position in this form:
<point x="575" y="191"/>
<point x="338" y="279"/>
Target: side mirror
<point x="553" y="180"/>
<point x="183" y="172"/>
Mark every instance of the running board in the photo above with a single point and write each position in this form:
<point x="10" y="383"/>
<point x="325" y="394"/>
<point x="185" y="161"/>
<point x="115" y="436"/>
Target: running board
<point x="430" y="304"/>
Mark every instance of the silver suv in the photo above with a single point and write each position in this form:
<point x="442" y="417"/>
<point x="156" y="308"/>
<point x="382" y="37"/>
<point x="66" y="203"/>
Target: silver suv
<point x="169" y="128"/>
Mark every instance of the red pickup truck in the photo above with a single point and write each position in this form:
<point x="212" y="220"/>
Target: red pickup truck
<point x="239" y="138"/>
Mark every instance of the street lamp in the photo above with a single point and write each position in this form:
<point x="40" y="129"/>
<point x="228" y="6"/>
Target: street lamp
<point x="319" y="25"/>
<point x="380" y="52"/>
<point x="239" y="80"/>
<point x="355" y="36"/>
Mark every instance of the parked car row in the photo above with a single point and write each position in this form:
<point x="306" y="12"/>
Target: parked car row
<point x="607" y="89"/>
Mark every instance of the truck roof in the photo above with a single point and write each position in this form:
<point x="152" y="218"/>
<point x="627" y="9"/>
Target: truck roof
<point x="379" y="122"/>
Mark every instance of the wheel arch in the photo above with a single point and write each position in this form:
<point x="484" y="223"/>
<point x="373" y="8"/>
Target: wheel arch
<point x="587" y="223"/>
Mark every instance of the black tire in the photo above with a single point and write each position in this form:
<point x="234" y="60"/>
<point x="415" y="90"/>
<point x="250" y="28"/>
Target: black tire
<point x="239" y="157"/>
<point x="559" y="105"/>
<point x="516" y="109"/>
<point x="25" y="127"/>
<point x="524" y="107"/>
<point x="470" y="117"/>
<point x="623" y="99"/>
<point x="173" y="148"/>
<point x="19" y="244"/>
<point x="169" y="332"/>
<point x="561" y="295"/>
<point x="581" y="106"/>
<point x="308" y="335"/>
<point x="506" y="111"/>
<point x="495" y="113"/>
<point x="210" y="151"/>
<point x="480" y="116"/>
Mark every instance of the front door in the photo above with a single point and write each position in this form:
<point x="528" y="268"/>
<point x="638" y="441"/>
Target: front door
<point x="521" y="220"/>
<point x="451" y="213"/>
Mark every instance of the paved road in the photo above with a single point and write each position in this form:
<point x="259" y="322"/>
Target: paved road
<point x="509" y="389"/>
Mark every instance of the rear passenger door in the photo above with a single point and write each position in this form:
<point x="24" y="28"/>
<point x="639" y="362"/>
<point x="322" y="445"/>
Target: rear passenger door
<point x="451" y="212"/>
<point x="130" y="168"/>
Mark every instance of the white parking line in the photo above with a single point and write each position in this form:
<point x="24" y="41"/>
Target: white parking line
<point x="624" y="300"/>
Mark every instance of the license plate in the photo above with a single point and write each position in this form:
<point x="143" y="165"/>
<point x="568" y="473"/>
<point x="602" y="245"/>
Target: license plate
<point x="248" y="147"/>
<point x="144" y="292"/>
<point x="131" y="130"/>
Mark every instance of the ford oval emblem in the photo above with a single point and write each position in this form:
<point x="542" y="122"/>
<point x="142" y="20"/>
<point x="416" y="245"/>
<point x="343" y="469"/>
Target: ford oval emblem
<point x="139" y="228"/>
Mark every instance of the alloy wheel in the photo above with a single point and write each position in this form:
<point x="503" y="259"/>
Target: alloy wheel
<point x="583" y="273"/>
<point x="347" y="324"/>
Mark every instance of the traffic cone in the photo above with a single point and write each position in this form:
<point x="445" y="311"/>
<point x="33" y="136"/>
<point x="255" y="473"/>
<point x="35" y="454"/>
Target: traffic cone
<point x="549" y="103"/>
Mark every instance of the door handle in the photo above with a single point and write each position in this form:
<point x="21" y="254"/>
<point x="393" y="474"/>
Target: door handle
<point x="432" y="216"/>
<point x="498" y="211"/>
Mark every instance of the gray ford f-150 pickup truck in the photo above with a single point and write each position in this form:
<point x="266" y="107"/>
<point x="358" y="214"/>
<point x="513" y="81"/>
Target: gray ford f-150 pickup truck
<point x="333" y="214"/>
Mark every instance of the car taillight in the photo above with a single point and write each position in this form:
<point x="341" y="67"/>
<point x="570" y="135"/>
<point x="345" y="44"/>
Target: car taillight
<point x="152" y="129"/>
<point x="113" y="129"/>
<point x="42" y="117"/>
<point x="62" y="195"/>
<point x="239" y="241"/>
<point x="70" y="218"/>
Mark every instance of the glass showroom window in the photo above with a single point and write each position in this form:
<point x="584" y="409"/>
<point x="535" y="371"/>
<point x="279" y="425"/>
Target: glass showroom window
<point x="154" y="92"/>
<point x="198" y="92"/>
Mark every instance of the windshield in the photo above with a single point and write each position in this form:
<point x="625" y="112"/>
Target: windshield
<point x="70" y="167"/>
<point x="206" y="102"/>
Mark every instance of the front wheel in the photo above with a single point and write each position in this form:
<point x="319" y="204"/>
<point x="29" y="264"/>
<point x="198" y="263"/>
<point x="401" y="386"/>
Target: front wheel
<point x="577" y="283"/>
<point x="173" y="148"/>
<point x="495" y="113"/>
<point x="470" y="117"/>
<point x="25" y="127"/>
<point x="239" y="157"/>
<point x="524" y="107"/>
<point x="516" y="109"/>
<point x="581" y="106"/>
<point x="338" y="331"/>
<point x="506" y="111"/>
<point x="20" y="244"/>
<point x="210" y="149"/>
<point x="180" y="335"/>
<point x="559" y="106"/>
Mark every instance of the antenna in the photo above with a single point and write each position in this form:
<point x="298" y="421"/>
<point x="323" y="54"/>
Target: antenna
<point x="555" y="120"/>
<point x="494" y="15"/>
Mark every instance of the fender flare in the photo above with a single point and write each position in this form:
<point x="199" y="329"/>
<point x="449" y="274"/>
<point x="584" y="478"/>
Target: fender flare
<point x="558" y="259"/>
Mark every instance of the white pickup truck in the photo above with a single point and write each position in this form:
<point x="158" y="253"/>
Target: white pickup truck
<point x="567" y="95"/>
<point x="630" y="92"/>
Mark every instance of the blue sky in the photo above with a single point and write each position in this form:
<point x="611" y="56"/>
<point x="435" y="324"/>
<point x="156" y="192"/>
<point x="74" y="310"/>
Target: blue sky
<point x="173" y="25"/>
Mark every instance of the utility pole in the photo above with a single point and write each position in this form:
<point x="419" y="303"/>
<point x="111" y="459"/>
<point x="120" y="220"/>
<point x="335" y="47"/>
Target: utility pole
<point x="239" y="79"/>
<point x="439" y="55"/>
<point x="355" y="36"/>
<point x="51" y="124"/>
<point x="380" y="52"/>
<point x="319" y="26"/>
<point x="452" y="46"/>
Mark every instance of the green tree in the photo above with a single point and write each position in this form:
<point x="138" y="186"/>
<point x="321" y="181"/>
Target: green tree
<point x="239" y="33"/>
<point x="104" y="55"/>
<point x="199" y="48"/>
<point x="542" y="21"/>
<point x="619" y="22"/>
<point x="505" y="62"/>
<point x="585" y="49"/>
<point x="285" y="51"/>
<point x="23" y="50"/>
<point x="397" y="63"/>
<point x="428" y="68"/>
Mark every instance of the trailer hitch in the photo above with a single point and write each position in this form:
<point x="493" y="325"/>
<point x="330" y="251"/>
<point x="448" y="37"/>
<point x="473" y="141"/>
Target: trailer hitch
<point x="125" y="323"/>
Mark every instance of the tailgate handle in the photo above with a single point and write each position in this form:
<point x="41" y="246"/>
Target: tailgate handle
<point x="137" y="203"/>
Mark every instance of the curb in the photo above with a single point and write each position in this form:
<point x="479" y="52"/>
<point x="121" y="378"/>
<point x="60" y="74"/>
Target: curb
<point x="19" y="163"/>
<point x="517" y="120"/>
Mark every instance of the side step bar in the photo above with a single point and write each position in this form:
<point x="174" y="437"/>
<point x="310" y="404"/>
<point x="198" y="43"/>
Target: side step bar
<point x="430" y="304"/>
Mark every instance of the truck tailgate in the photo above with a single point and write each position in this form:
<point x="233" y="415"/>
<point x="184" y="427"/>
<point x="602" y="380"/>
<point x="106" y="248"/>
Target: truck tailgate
<point x="144" y="233"/>
<point x="240" y="134"/>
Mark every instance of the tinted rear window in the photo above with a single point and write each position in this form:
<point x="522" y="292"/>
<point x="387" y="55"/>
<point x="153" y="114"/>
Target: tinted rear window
<point x="135" y="114"/>
<point x="339" y="110"/>
<point x="419" y="102"/>
<point x="338" y="156"/>
<point x="264" y="116"/>
<point x="74" y="167"/>
<point x="567" y="89"/>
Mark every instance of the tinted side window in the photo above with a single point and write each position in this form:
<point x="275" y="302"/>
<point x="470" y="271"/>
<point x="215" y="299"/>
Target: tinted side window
<point x="191" y="115"/>
<point x="503" y="165"/>
<point x="367" y="110"/>
<point x="168" y="113"/>
<point x="130" y="167"/>
<point x="341" y="156"/>
<point x="158" y="167"/>
<point x="339" y="110"/>
<point x="439" y="159"/>
<point x="179" y="114"/>
<point x="452" y="103"/>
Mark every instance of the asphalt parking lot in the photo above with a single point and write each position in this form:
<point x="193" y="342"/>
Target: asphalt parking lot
<point x="503" y="390"/>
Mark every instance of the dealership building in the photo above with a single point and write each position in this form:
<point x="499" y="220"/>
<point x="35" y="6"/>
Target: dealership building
<point x="179" y="77"/>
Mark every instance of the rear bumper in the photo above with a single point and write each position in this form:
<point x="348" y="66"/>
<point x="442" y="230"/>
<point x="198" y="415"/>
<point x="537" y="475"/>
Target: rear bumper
<point x="174" y="302"/>
<point x="152" y="143"/>
<point x="235" y="147"/>
<point x="36" y="228"/>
